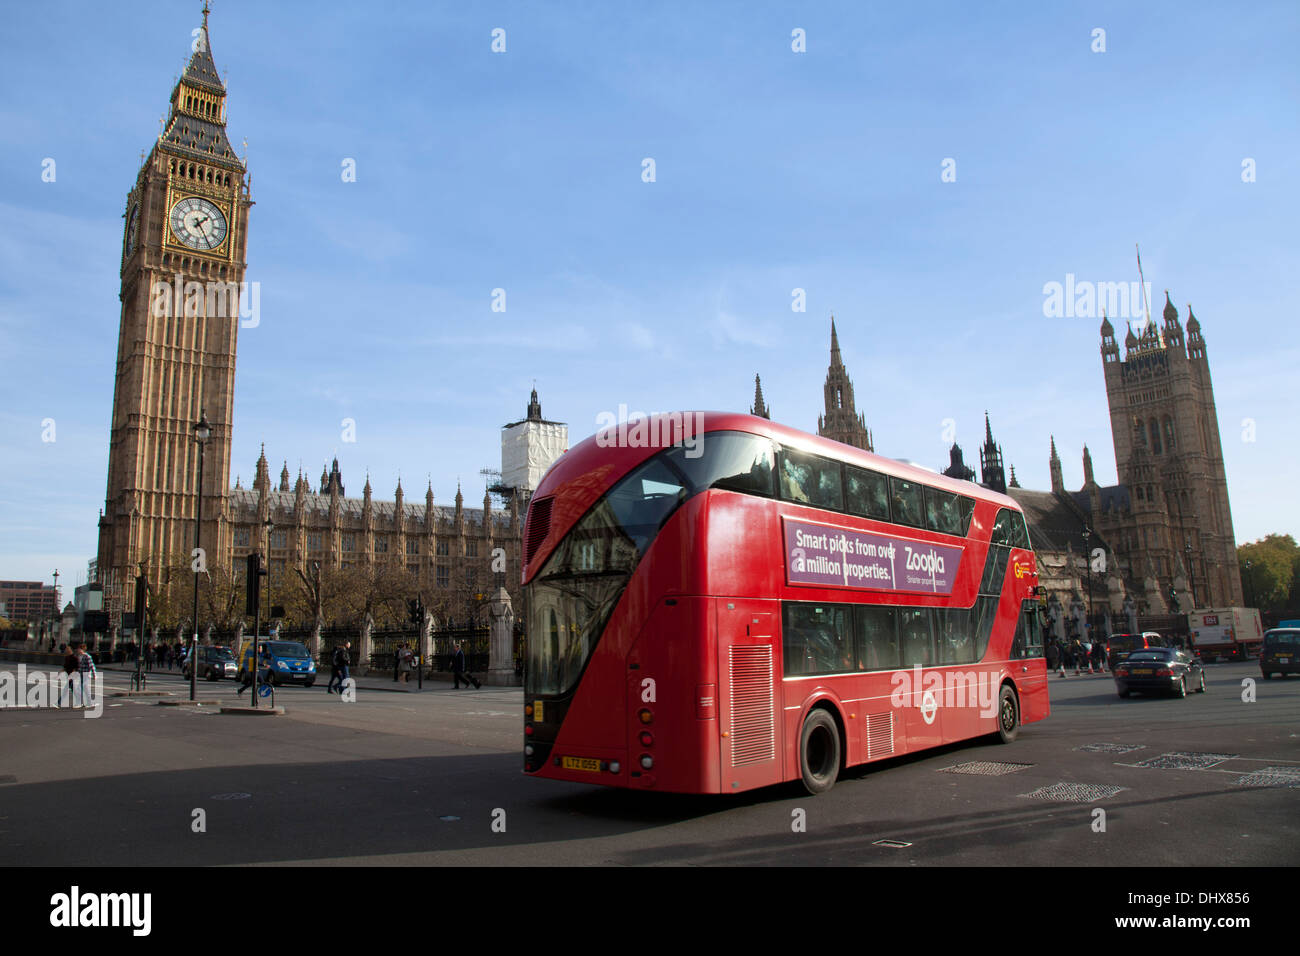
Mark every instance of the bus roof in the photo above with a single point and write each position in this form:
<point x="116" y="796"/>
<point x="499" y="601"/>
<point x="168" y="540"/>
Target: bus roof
<point x="585" y="458"/>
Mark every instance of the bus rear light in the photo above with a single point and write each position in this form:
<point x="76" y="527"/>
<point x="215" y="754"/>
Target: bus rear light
<point x="528" y="749"/>
<point x="528" y="731"/>
<point x="647" y="739"/>
<point x="647" y="762"/>
<point x="645" y="716"/>
<point x="706" y="699"/>
<point x="615" y="766"/>
<point x="528" y="710"/>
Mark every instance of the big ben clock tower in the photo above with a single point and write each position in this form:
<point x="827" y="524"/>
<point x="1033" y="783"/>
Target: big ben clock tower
<point x="183" y="265"/>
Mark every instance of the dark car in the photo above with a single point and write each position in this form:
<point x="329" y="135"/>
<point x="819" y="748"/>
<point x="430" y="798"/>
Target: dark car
<point x="214" y="663"/>
<point x="1281" y="652"/>
<point x="1165" y="669"/>
<point x="1120" y="646"/>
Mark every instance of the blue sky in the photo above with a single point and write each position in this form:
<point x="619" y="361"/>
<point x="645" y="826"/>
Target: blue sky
<point x="775" y="170"/>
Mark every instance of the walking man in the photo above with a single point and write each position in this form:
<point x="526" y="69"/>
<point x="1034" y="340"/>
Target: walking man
<point x="458" y="672"/>
<point x="70" y="666"/>
<point x="339" y="667"/>
<point x="85" y="671"/>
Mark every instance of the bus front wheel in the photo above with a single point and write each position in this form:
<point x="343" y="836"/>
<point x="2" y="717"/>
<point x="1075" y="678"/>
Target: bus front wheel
<point x="819" y="752"/>
<point x="1008" y="715"/>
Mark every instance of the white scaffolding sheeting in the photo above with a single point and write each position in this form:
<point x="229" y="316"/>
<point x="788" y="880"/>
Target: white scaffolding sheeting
<point x="528" y="450"/>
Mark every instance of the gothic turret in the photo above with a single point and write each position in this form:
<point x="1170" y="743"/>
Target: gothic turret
<point x="1054" y="466"/>
<point x="957" y="467"/>
<point x="1088" y="480"/>
<point x="992" y="473"/>
<point x="284" y="477"/>
<point x="759" y="407"/>
<point x="841" y="422"/>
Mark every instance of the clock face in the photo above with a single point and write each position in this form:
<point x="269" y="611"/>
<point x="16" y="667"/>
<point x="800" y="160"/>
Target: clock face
<point x="132" y="226"/>
<point x="198" y="223"/>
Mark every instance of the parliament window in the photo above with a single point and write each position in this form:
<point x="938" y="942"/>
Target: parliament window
<point x="443" y="548"/>
<point x="444" y="576"/>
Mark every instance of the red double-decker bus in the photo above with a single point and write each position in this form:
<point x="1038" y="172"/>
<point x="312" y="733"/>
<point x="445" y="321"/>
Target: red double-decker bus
<point x="715" y="602"/>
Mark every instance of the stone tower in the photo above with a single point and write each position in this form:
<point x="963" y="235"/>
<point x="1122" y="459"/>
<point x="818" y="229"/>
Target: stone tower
<point x="760" y="407"/>
<point x="183" y="251"/>
<point x="1169" y="455"/>
<point x="992" y="473"/>
<point x="841" y="422"/>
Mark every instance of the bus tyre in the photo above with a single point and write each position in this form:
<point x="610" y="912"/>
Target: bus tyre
<point x="1008" y="715"/>
<point x="819" y="752"/>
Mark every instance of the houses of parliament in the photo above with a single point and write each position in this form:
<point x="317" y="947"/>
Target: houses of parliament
<point x="1164" y="532"/>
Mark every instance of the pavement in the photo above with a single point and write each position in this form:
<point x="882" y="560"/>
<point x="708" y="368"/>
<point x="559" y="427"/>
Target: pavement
<point x="435" y="778"/>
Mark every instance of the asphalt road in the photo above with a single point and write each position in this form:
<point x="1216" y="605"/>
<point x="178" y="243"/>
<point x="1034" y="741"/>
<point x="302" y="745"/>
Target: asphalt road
<point x="434" y="778"/>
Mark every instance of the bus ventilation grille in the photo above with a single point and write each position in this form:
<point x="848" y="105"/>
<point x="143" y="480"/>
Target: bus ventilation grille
<point x="753" y="723"/>
<point x="539" y="526"/>
<point x="880" y="735"/>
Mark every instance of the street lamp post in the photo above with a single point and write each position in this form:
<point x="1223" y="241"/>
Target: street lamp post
<point x="270" y="526"/>
<point x="1191" y="585"/>
<point x="1087" y="564"/>
<point x="54" y="625"/>
<point x="1250" y="582"/>
<point x="202" y="432"/>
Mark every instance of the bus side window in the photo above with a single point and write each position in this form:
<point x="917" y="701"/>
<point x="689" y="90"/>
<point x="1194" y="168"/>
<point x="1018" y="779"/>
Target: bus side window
<point x="915" y="637"/>
<point x="877" y="638"/>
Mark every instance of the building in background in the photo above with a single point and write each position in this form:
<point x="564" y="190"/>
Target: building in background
<point x="28" y="601"/>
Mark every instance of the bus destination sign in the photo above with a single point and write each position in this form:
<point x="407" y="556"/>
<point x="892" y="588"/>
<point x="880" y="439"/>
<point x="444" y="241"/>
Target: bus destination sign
<point x="840" y="557"/>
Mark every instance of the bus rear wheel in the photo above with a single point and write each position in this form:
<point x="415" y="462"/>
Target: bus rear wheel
<point x="819" y="752"/>
<point x="1008" y="715"/>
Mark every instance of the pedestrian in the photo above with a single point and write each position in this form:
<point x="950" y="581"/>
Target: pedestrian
<point x="338" y="667"/>
<point x="85" y="669"/>
<point x="265" y="658"/>
<point x="70" y="667"/>
<point x="458" y="672"/>
<point x="408" y="658"/>
<point x="397" y="661"/>
<point x="148" y="657"/>
<point x="1099" y="657"/>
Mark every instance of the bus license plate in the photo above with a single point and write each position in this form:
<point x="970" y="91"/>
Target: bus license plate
<point x="581" y="763"/>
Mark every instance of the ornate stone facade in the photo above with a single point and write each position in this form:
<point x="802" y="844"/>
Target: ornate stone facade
<point x="447" y="551"/>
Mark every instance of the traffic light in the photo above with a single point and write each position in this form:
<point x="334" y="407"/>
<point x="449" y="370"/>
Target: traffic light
<point x="252" y="593"/>
<point x="141" y="603"/>
<point x="1173" y="599"/>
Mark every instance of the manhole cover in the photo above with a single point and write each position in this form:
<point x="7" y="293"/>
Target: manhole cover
<point x="1104" y="748"/>
<point x="1179" y="760"/>
<point x="992" y="768"/>
<point x="1265" y="777"/>
<point x="231" y="796"/>
<point x="892" y="844"/>
<point x="1074" y="792"/>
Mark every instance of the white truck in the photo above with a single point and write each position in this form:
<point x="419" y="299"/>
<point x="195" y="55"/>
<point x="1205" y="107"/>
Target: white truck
<point x="1227" y="633"/>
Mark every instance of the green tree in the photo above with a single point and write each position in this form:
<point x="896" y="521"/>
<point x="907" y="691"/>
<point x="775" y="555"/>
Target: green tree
<point x="1272" y="580"/>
